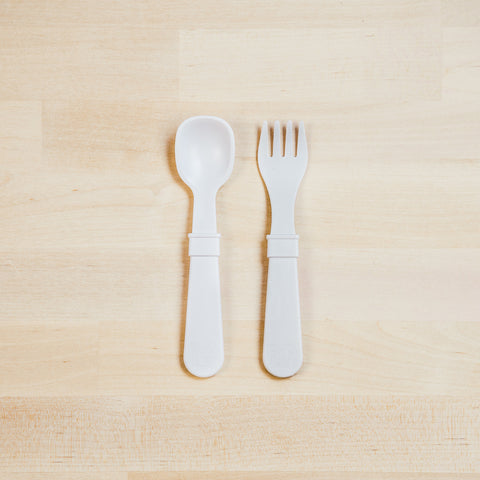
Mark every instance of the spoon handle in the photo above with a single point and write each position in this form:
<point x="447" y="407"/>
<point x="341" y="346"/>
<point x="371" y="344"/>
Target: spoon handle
<point x="203" y="348"/>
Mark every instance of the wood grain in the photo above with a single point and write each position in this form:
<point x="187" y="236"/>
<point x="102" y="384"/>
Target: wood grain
<point x="237" y="476"/>
<point x="297" y="433"/>
<point x="294" y="476"/>
<point x="344" y="65"/>
<point x="93" y="252"/>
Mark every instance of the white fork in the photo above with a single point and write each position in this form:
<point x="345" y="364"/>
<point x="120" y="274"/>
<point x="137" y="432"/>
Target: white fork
<point x="282" y="174"/>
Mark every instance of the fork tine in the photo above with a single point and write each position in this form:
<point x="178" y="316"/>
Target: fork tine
<point x="302" y="141"/>
<point x="264" y="143"/>
<point x="289" y="140"/>
<point x="277" y="140"/>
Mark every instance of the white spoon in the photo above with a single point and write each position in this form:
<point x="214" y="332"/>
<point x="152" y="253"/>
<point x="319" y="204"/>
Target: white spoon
<point x="204" y="152"/>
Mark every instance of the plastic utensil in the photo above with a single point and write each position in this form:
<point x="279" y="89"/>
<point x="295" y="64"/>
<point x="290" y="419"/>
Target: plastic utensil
<point x="282" y="174"/>
<point x="204" y="153"/>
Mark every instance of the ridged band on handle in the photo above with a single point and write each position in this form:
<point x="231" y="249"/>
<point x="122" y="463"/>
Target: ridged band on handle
<point x="203" y="349"/>
<point x="282" y="341"/>
<point x="283" y="246"/>
<point x="204" y="245"/>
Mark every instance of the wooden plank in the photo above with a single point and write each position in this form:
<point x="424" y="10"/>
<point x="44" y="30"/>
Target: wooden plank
<point x="296" y="476"/>
<point x="460" y="13"/>
<point x="20" y="142"/>
<point x="233" y="14"/>
<point x="461" y="76"/>
<point x="66" y="61"/>
<point x="55" y="358"/>
<point x="235" y="476"/>
<point x="65" y="476"/>
<point x="325" y="65"/>
<point x="237" y="433"/>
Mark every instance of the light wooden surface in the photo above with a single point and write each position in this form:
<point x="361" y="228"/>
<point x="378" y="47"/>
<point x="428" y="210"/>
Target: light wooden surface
<point x="93" y="224"/>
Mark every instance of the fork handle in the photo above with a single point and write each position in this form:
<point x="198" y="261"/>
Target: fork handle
<point x="282" y="340"/>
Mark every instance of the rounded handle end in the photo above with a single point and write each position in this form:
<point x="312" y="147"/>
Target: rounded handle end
<point x="282" y="341"/>
<point x="200" y="363"/>
<point x="203" y="350"/>
<point x="282" y="362"/>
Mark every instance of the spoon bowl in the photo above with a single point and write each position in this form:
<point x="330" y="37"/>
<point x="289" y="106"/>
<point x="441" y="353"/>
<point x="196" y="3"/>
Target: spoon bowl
<point x="204" y="152"/>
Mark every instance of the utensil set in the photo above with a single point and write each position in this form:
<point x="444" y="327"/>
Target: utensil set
<point x="204" y="152"/>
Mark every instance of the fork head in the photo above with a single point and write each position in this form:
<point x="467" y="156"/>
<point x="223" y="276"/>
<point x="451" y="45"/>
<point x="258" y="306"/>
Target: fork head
<point x="282" y="171"/>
